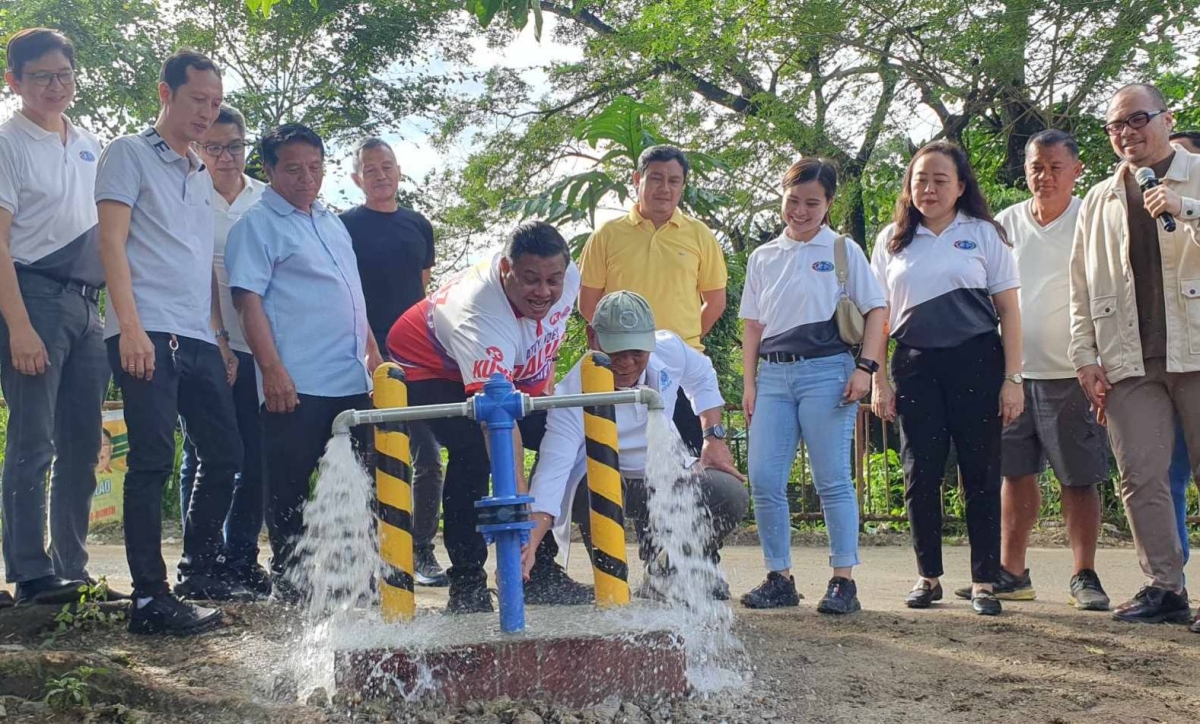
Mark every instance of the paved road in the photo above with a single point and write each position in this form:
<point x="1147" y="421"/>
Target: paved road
<point x="886" y="575"/>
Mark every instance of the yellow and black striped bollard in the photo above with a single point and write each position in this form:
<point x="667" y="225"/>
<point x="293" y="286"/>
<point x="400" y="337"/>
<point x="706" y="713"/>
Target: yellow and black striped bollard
<point x="604" y="484"/>
<point x="393" y="492"/>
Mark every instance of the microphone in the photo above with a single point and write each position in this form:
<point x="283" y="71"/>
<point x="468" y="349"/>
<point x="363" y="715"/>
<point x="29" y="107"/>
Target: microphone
<point x="1147" y="180"/>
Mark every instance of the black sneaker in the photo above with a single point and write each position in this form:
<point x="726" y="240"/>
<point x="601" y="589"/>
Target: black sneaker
<point x="6" y="600"/>
<point x="49" y="589"/>
<point x="1086" y="592"/>
<point x="469" y="596"/>
<point x="167" y="614"/>
<point x="1195" y="627"/>
<point x="254" y="578"/>
<point x="840" y="597"/>
<point x="202" y="587"/>
<point x="549" y="585"/>
<point x="775" y="592"/>
<point x="284" y="592"/>
<point x="1154" y="605"/>
<point x="1006" y="588"/>
<point x="427" y="571"/>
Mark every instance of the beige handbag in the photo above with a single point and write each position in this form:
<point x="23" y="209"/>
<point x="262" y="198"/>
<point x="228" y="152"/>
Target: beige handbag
<point x="849" y="320"/>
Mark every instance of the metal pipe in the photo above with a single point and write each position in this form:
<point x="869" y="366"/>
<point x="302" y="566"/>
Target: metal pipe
<point x="641" y="396"/>
<point x="352" y="418"/>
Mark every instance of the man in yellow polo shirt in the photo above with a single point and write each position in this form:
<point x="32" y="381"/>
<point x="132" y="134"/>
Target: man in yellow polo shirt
<point x="671" y="259"/>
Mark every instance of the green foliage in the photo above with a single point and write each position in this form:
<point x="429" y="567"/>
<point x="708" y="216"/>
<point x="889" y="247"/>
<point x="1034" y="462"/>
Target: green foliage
<point x="885" y="485"/>
<point x="69" y="692"/>
<point x="85" y="612"/>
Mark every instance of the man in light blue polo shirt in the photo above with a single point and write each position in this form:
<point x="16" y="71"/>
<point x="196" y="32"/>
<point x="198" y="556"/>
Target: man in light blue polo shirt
<point x="166" y="345"/>
<point x="295" y="283"/>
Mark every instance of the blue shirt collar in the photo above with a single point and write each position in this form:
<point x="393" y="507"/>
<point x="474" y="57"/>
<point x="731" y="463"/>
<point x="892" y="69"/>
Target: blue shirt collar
<point x="283" y="207"/>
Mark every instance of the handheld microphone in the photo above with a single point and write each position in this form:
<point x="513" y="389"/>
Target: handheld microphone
<point x="1147" y="180"/>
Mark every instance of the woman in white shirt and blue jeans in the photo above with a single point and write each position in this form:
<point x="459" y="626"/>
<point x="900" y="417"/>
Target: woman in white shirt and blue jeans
<point x="801" y="381"/>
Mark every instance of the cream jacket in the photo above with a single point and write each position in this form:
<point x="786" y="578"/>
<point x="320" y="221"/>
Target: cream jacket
<point x="1104" y="325"/>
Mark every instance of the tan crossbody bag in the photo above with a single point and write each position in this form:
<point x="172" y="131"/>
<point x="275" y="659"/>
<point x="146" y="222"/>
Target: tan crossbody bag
<point x="850" y="322"/>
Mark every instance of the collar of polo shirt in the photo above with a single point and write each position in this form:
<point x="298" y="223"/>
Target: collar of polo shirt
<point x="824" y="237"/>
<point x="283" y="207"/>
<point x="37" y="132"/>
<point x="959" y="218"/>
<point x="167" y="154"/>
<point x="636" y="219"/>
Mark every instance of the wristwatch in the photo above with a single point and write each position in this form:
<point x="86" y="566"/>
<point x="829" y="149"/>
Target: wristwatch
<point x="1016" y="378"/>
<point x="869" y="366"/>
<point x="716" y="431"/>
<point x="223" y="334"/>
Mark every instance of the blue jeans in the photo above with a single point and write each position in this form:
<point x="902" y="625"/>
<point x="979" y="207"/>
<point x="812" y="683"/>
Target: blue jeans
<point x="1180" y="475"/>
<point x="800" y="400"/>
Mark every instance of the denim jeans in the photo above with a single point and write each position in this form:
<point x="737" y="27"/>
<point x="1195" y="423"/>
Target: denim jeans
<point x="1180" y="475"/>
<point x="53" y="425"/>
<point x="800" y="400"/>
<point x="188" y="382"/>
<point x="244" y="521"/>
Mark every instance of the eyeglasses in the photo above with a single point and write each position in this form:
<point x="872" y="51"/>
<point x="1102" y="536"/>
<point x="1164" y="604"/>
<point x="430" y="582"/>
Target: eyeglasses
<point x="235" y="149"/>
<point x="1135" y="121"/>
<point x="65" y="77"/>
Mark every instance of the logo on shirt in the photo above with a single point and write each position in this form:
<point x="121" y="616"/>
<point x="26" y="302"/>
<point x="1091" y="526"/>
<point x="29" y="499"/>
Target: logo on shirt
<point x="822" y="266"/>
<point x="558" y="316"/>
<point x="664" y="379"/>
<point x="965" y="244"/>
<point x="484" y="368"/>
<point x="87" y="156"/>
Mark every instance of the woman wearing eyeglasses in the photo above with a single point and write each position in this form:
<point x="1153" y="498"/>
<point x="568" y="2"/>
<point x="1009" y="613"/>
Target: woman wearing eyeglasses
<point x="53" y="366"/>
<point x="801" y="380"/>
<point x="949" y="277"/>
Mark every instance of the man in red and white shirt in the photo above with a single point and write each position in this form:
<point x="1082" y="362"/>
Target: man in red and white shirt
<point x="507" y="315"/>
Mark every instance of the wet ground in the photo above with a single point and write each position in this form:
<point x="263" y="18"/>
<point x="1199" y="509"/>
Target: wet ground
<point x="1040" y="661"/>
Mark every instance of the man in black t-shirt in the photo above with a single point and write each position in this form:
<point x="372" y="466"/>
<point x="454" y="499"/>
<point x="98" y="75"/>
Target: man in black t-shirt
<point x="394" y="246"/>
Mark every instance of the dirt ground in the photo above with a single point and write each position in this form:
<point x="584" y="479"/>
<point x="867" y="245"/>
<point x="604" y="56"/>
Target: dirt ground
<point x="1040" y="661"/>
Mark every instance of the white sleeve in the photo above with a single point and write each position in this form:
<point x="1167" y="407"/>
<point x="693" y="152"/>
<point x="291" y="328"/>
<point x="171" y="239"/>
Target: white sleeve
<point x="861" y="284"/>
<point x="698" y="378"/>
<point x="10" y="177"/>
<point x="879" y="260"/>
<point x="749" y="307"/>
<point x="561" y="452"/>
<point x="998" y="262"/>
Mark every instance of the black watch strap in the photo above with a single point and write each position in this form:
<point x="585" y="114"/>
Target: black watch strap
<point x="869" y="366"/>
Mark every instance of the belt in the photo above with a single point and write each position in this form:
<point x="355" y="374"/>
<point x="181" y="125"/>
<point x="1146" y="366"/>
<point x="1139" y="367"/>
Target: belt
<point x="782" y="357"/>
<point x="90" y="293"/>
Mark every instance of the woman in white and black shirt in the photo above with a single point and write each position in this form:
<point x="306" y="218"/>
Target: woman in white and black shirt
<point x="949" y="277"/>
<point x="802" y="382"/>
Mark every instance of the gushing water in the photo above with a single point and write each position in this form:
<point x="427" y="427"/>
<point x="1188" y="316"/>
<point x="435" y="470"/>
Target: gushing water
<point x="683" y="573"/>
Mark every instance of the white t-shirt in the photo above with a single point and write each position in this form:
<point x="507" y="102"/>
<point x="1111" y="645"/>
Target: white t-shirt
<point x="49" y="189"/>
<point x="1043" y="257"/>
<point x="940" y="287"/>
<point x="225" y="215"/>
<point x="792" y="289"/>
<point x="562" y="460"/>
<point x="468" y="330"/>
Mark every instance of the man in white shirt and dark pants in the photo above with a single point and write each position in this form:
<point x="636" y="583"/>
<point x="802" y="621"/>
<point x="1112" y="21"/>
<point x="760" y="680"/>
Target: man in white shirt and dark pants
<point x="1057" y="424"/>
<point x="623" y="327"/>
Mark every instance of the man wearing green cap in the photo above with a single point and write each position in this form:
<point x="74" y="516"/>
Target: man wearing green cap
<point x="623" y="328"/>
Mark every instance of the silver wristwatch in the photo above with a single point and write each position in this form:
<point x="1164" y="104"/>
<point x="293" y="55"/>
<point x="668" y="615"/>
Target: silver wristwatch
<point x="1016" y="378"/>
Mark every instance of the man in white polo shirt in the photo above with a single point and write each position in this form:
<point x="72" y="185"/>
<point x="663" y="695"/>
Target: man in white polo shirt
<point x="52" y="365"/>
<point x="154" y="203"/>
<point x="1057" y="424"/>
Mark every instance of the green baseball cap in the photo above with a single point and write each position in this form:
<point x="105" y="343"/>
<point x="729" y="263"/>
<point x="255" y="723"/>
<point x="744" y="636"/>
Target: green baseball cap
<point x="623" y="321"/>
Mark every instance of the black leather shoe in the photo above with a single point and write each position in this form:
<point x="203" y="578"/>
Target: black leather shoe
<point x="469" y="596"/>
<point x="6" y="600"/>
<point x="201" y="587"/>
<point x="166" y="614"/>
<point x="1154" y="605"/>
<point x="48" y="589"/>
<point x="923" y="595"/>
<point x="985" y="603"/>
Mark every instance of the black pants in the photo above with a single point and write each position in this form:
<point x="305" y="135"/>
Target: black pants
<point x="945" y="395"/>
<point x="245" y="519"/>
<point x="688" y="423"/>
<point x="188" y="383"/>
<point x="467" y="472"/>
<point x="293" y="443"/>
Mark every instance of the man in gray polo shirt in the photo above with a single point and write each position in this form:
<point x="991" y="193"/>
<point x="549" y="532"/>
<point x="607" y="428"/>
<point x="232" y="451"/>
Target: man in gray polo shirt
<point x="52" y="364"/>
<point x="154" y="201"/>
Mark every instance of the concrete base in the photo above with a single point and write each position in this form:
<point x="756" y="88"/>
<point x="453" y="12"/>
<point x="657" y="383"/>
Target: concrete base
<point x="576" y="670"/>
